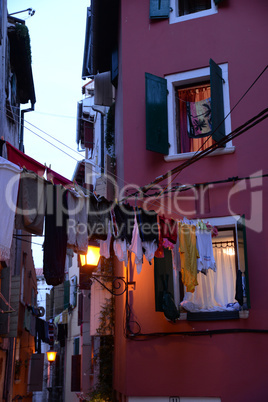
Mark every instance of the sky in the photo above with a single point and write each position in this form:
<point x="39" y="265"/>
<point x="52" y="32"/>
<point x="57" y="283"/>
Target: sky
<point x="57" y="34"/>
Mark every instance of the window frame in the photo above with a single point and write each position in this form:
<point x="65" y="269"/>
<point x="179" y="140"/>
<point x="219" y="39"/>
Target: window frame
<point x="190" y="78"/>
<point x="174" y="14"/>
<point x="227" y="222"/>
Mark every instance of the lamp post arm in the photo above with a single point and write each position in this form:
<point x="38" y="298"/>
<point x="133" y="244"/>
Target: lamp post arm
<point x="117" y="283"/>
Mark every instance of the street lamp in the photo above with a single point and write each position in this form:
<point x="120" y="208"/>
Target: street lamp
<point x="51" y="357"/>
<point x="89" y="264"/>
<point x="92" y="257"/>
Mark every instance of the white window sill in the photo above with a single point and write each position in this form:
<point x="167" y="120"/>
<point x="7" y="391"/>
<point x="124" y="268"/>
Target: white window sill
<point x="189" y="155"/>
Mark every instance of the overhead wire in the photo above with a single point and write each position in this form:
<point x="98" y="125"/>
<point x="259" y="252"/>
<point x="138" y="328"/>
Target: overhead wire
<point x="93" y="165"/>
<point x="194" y="158"/>
<point x="211" y="148"/>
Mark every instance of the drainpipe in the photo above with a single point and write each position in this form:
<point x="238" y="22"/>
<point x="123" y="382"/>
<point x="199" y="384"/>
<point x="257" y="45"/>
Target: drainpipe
<point x="102" y="143"/>
<point x="21" y="146"/>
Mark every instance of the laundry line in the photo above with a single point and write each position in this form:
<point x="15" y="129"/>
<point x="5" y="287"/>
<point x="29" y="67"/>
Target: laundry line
<point x="235" y="133"/>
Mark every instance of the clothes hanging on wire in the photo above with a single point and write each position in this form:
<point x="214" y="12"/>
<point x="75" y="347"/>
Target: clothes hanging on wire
<point x="30" y="211"/>
<point x="167" y="235"/>
<point x="77" y="222"/>
<point x="23" y="160"/>
<point x="136" y="247"/>
<point x="98" y="216"/>
<point x="189" y="255"/>
<point x="204" y="246"/>
<point x="120" y="250"/>
<point x="55" y="243"/>
<point x="106" y="244"/>
<point x="123" y="218"/>
<point x="9" y="180"/>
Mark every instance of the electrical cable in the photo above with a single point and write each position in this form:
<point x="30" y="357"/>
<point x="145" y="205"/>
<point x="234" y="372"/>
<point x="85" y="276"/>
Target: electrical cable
<point x="240" y="99"/>
<point x="235" y="133"/>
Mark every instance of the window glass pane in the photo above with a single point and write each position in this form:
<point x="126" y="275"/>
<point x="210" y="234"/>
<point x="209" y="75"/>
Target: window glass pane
<point x="193" y="6"/>
<point x="193" y="118"/>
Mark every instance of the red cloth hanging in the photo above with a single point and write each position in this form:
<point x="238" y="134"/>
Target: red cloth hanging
<point x="22" y="160"/>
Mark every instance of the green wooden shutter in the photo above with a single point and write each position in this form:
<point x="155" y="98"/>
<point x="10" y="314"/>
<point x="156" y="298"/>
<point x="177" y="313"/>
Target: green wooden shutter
<point x="242" y="253"/>
<point x="217" y="109"/>
<point x="159" y="9"/>
<point x="163" y="273"/>
<point x="156" y="114"/>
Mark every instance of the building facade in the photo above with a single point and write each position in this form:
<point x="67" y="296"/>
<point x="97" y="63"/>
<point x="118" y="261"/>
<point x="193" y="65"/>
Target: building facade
<point x="190" y="116"/>
<point x="18" y="287"/>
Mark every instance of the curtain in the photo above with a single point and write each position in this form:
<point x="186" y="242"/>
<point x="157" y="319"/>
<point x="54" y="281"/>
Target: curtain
<point x="184" y="143"/>
<point x="216" y="289"/>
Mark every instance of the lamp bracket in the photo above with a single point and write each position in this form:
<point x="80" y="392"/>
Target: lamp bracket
<point x="117" y="282"/>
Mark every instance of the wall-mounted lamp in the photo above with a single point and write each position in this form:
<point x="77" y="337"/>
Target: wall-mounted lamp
<point x="51" y="356"/>
<point x="88" y="266"/>
<point x="92" y="257"/>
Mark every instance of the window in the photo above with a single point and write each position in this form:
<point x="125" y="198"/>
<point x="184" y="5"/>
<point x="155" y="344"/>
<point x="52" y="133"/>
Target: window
<point x="192" y="6"/>
<point x="183" y="10"/>
<point x="183" y="110"/>
<point x="220" y="294"/>
<point x="198" y="102"/>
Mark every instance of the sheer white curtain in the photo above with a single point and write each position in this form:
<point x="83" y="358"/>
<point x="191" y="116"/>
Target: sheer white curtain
<point x="216" y="289"/>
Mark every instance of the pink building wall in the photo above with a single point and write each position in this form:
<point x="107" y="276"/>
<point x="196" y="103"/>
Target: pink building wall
<point x="230" y="366"/>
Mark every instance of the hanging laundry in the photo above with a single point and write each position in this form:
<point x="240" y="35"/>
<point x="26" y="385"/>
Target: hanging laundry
<point x="98" y="215"/>
<point x="123" y="217"/>
<point x="199" y="118"/>
<point x="148" y="225"/>
<point x="148" y="230"/>
<point x="189" y="255"/>
<point x="55" y="244"/>
<point x="106" y="244"/>
<point x="120" y="250"/>
<point x="9" y="181"/>
<point x="77" y="222"/>
<point x="205" y="250"/>
<point x="56" y="178"/>
<point x="167" y="235"/>
<point x="31" y="203"/>
<point x="23" y="160"/>
<point x="136" y="246"/>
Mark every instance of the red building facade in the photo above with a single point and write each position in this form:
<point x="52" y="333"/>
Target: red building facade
<point x="167" y="59"/>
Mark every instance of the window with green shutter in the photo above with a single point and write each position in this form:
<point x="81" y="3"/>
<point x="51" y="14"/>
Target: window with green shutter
<point x="198" y="102"/>
<point x="159" y="8"/>
<point x="242" y="256"/>
<point x="217" y="109"/>
<point x="222" y="293"/>
<point x="156" y="114"/>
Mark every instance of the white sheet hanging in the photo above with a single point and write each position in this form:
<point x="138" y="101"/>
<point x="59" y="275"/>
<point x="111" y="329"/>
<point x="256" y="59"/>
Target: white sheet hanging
<point x="136" y="246"/>
<point x="9" y="183"/>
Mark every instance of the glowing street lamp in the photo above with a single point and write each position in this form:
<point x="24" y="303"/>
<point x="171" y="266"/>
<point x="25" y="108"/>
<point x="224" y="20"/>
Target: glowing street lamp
<point x="91" y="258"/>
<point x="51" y="356"/>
